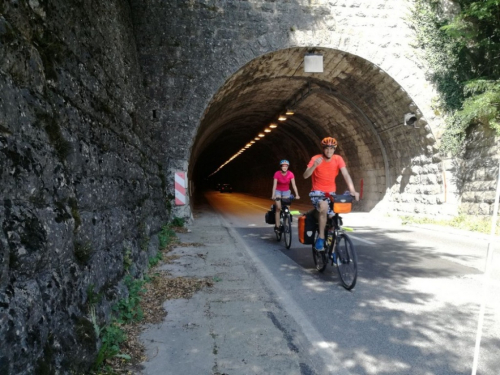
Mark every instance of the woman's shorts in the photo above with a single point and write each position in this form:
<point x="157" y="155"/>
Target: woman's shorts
<point x="318" y="196"/>
<point x="283" y="194"/>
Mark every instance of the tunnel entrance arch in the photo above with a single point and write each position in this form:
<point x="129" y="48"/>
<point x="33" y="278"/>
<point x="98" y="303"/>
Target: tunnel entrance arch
<point x="353" y="100"/>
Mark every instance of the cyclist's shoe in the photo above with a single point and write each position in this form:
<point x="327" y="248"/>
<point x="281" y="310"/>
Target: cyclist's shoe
<point x="276" y="229"/>
<point x="320" y="244"/>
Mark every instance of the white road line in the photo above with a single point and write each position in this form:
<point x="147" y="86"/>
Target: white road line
<point x="362" y="240"/>
<point x="325" y="349"/>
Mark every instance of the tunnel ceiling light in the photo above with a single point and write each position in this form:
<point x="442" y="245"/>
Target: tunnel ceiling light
<point x="313" y="63"/>
<point x="273" y="125"/>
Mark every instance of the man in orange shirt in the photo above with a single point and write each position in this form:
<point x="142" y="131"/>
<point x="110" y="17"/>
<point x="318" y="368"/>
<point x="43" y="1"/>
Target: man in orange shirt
<point x="324" y="168"/>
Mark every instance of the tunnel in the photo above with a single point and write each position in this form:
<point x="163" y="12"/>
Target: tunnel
<point x="394" y="164"/>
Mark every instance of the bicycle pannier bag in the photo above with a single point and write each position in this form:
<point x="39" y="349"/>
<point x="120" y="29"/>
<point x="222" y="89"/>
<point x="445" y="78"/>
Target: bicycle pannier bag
<point x="269" y="217"/>
<point x="306" y="227"/>
<point x="342" y="204"/>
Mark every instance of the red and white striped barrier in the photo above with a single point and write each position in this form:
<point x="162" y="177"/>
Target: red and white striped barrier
<point x="180" y="188"/>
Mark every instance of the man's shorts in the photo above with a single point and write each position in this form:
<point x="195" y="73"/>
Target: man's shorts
<point x="318" y="196"/>
<point x="283" y="194"/>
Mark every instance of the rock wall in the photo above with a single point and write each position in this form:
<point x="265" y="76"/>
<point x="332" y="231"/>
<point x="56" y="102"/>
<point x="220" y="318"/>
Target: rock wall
<point x="91" y="131"/>
<point x="82" y="190"/>
<point x="477" y="172"/>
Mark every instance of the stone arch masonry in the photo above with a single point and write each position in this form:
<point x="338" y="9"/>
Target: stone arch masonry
<point x="229" y="34"/>
<point x="100" y="102"/>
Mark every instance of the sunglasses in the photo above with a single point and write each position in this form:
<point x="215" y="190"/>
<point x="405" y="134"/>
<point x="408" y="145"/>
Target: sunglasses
<point x="332" y="147"/>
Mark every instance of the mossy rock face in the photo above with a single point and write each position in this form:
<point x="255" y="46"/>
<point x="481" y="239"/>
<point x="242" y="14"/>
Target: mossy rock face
<point x="51" y="51"/>
<point x="85" y="332"/>
<point x="7" y="34"/>
<point x="44" y="364"/>
<point x="73" y="203"/>
<point x="67" y="153"/>
<point x="83" y="252"/>
<point x="62" y="214"/>
<point x="61" y="145"/>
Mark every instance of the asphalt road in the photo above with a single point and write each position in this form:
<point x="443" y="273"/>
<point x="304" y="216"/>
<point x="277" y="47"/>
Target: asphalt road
<point x="416" y="304"/>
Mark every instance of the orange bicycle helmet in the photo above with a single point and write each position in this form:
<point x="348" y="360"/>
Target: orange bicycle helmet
<point x="329" y="141"/>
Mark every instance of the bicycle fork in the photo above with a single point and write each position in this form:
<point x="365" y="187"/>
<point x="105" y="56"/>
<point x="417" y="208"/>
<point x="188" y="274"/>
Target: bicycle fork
<point x="330" y="245"/>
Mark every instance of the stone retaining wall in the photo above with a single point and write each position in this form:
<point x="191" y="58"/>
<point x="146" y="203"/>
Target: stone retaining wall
<point x="82" y="193"/>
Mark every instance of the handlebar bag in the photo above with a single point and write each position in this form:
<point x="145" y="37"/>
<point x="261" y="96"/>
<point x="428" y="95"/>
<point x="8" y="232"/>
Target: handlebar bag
<point x="342" y="204"/>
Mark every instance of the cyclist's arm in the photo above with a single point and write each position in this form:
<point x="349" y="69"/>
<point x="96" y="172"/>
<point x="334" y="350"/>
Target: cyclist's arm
<point x="273" y="194"/>
<point x="309" y="171"/>
<point x="295" y="188"/>
<point x="349" y="183"/>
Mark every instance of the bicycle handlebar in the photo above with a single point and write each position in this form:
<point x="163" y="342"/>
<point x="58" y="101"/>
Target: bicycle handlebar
<point x="291" y="198"/>
<point x="328" y="195"/>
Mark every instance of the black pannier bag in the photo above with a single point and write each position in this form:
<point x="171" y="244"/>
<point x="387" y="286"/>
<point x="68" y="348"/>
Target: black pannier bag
<point x="269" y="217"/>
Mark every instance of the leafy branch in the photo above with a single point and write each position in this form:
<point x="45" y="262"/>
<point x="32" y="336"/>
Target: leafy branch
<point x="463" y="52"/>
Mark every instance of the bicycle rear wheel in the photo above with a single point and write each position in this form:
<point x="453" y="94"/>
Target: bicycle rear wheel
<point x="278" y="232"/>
<point x="319" y="257"/>
<point x="347" y="261"/>
<point x="287" y="231"/>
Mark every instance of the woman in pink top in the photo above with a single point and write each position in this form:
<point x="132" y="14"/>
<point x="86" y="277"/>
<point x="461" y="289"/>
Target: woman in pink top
<point x="281" y="187"/>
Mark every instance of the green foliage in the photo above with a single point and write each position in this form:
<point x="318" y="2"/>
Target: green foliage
<point x="462" y="221"/>
<point x="127" y="259"/>
<point x="462" y="50"/>
<point x="165" y="236"/>
<point x="93" y="298"/>
<point x="111" y="338"/>
<point x="178" y="222"/>
<point x="83" y="251"/>
<point x="168" y="202"/>
<point x="144" y="241"/>
<point x="128" y="309"/>
<point x="153" y="261"/>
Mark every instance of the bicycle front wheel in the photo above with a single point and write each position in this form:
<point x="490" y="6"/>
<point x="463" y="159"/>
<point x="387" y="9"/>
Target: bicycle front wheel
<point x="319" y="257"/>
<point x="287" y="231"/>
<point x="347" y="261"/>
<point x="278" y="234"/>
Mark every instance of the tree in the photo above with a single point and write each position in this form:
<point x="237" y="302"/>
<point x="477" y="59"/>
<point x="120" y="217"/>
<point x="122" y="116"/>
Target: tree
<point x="463" y="51"/>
